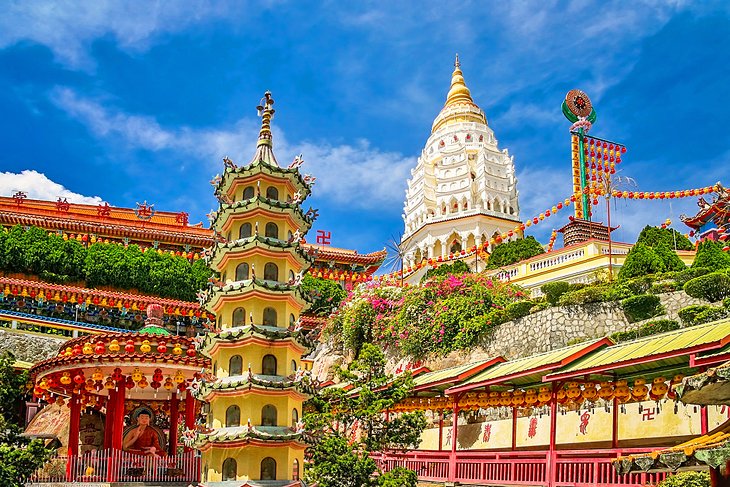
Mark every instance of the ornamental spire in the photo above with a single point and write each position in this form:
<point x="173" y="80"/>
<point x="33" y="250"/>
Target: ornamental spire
<point x="458" y="93"/>
<point x="264" y="146"/>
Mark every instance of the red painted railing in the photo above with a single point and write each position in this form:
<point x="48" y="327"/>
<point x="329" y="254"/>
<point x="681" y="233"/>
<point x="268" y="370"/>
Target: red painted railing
<point x="568" y="468"/>
<point x="119" y="466"/>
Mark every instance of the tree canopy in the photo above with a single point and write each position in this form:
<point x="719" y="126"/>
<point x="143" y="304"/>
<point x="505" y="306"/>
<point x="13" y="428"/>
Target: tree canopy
<point x="511" y="252"/>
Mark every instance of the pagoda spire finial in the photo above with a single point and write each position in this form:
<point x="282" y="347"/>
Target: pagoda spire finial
<point x="266" y="112"/>
<point x="458" y="93"/>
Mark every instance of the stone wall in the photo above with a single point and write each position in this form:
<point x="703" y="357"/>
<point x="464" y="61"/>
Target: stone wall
<point x="28" y="346"/>
<point x="554" y="328"/>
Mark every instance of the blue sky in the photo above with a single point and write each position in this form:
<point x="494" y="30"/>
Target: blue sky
<point x="126" y="102"/>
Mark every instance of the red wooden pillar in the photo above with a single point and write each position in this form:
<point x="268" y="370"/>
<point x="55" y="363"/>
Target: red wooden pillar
<point x="73" y="437"/>
<point x="454" y="434"/>
<point x="118" y="431"/>
<point x="109" y="418"/>
<point x="174" y="418"/>
<point x="189" y="413"/>
<point x="441" y="428"/>
<point x="550" y="470"/>
<point x="704" y="420"/>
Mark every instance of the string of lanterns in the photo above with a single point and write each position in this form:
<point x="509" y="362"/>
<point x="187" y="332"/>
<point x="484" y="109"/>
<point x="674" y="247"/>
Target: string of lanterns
<point x="573" y="394"/>
<point x="90" y="239"/>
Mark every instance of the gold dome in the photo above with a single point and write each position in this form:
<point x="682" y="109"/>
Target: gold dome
<point x="459" y="106"/>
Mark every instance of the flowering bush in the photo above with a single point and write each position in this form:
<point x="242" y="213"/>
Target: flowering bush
<point x="442" y="314"/>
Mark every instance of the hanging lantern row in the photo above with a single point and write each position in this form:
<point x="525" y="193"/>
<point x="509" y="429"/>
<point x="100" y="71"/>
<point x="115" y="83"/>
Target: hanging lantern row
<point x="76" y="383"/>
<point x="575" y="393"/>
<point x="661" y="195"/>
<point x="98" y="298"/>
<point x="553" y="237"/>
<point x="101" y="347"/>
<point x="339" y="275"/>
<point x="87" y="238"/>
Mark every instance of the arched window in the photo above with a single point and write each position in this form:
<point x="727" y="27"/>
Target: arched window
<point x="268" y="469"/>
<point x="291" y="275"/>
<point x="268" y="365"/>
<point x="289" y="236"/>
<point x="293" y="366"/>
<point x="215" y="368"/>
<point x="269" y="317"/>
<point x="233" y="416"/>
<point x="268" y="415"/>
<point x="271" y="272"/>
<point x="272" y="230"/>
<point x="245" y="231"/>
<point x="295" y="470"/>
<point x="223" y="277"/>
<point x="242" y="271"/>
<point x="455" y="247"/>
<point x="292" y="320"/>
<point x="294" y="418"/>
<point x="272" y="193"/>
<point x="230" y="469"/>
<point x="235" y="365"/>
<point x="248" y="193"/>
<point x="239" y="316"/>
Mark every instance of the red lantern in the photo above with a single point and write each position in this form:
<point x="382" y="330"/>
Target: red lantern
<point x="162" y="347"/>
<point x="79" y="379"/>
<point x="129" y="383"/>
<point x="190" y="351"/>
<point x="99" y="348"/>
<point x="129" y="347"/>
<point x="77" y="350"/>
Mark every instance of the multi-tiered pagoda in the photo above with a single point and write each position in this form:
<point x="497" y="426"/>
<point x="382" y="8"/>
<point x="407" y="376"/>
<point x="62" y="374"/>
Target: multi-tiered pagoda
<point x="255" y="392"/>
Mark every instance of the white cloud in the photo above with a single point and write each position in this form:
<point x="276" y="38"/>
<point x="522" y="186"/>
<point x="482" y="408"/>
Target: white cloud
<point x="357" y="175"/>
<point x="38" y="186"/>
<point x="69" y="28"/>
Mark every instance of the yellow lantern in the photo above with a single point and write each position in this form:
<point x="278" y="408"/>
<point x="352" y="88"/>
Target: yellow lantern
<point x="145" y="347"/>
<point x="43" y="384"/>
<point x="606" y="391"/>
<point x="177" y="350"/>
<point x="108" y="383"/>
<point x="69" y="352"/>
<point x="143" y="382"/>
<point x="114" y="346"/>
<point x="543" y="395"/>
<point x="621" y="391"/>
<point x="179" y="377"/>
<point x="572" y="391"/>
<point x="590" y="393"/>
<point x="136" y="374"/>
<point x="493" y="400"/>
<point x="88" y="348"/>
<point x="518" y="398"/>
<point x="97" y="375"/>
<point x="659" y="388"/>
<point x="640" y="390"/>
<point x="531" y="397"/>
<point x="89" y="386"/>
<point x="505" y="398"/>
<point x="65" y="378"/>
<point x="168" y="385"/>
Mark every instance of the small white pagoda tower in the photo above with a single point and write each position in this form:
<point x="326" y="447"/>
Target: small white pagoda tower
<point x="463" y="189"/>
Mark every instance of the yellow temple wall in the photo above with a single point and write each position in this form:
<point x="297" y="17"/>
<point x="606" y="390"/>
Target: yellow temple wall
<point x="253" y="354"/>
<point x="259" y="262"/>
<point x="249" y="462"/>
<point x="284" y="191"/>
<point x="652" y="423"/>
<point x="256" y="305"/>
<point x="238" y="220"/>
<point x="251" y="407"/>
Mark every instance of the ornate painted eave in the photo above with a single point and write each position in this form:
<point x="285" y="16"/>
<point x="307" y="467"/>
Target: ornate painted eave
<point x="210" y="299"/>
<point x="245" y="332"/>
<point x="259" y="167"/>
<point x="260" y="202"/>
<point x="235" y="434"/>
<point x="243" y="244"/>
<point x="711" y="387"/>
<point x="300" y="382"/>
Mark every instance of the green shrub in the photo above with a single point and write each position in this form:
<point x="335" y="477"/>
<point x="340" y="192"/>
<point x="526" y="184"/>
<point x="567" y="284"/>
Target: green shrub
<point x="639" y="285"/>
<point x="711" y="287"/>
<point x="709" y="315"/>
<point x="647" y="329"/>
<point x="688" y="274"/>
<point x="398" y="477"/>
<point x="640" y="261"/>
<point x="689" y="313"/>
<point x="726" y="303"/>
<point x="642" y="307"/>
<point x="711" y="255"/>
<point x="553" y="290"/>
<point x="577" y="285"/>
<point x="458" y="267"/>
<point x="618" y="290"/>
<point x="590" y="294"/>
<point x="663" y="287"/>
<point x="539" y="306"/>
<point x="325" y="294"/>
<point x="519" y="309"/>
<point x="669" y="258"/>
<point x="654" y="236"/>
<point x="687" y="479"/>
<point x="514" y="251"/>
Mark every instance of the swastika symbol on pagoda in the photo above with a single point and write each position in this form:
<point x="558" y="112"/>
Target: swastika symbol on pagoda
<point x="648" y="414"/>
<point x="323" y="237"/>
<point x="144" y="211"/>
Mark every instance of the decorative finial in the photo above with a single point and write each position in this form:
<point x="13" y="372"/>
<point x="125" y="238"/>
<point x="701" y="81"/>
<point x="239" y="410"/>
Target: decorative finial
<point x="266" y="112"/>
<point x="457" y="64"/>
<point x="458" y="93"/>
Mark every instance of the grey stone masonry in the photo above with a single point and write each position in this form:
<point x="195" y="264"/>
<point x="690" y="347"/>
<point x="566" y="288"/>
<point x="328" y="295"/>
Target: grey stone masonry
<point x="29" y="346"/>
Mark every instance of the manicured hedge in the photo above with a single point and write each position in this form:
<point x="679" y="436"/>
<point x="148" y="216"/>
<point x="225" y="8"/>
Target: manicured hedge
<point x="711" y="287"/>
<point x="711" y="256"/>
<point x="642" y="307"/>
<point x="553" y="290"/>
<point x="514" y="251"/>
<point x="651" y="328"/>
<point x="709" y="315"/>
<point x="689" y="314"/>
<point x="687" y="479"/>
<point x="34" y="251"/>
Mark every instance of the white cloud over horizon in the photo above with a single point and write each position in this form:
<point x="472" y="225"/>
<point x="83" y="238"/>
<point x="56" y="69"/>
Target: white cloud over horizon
<point x="38" y="186"/>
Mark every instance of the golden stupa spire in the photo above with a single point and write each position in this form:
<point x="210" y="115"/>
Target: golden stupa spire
<point x="264" y="146"/>
<point x="458" y="93"/>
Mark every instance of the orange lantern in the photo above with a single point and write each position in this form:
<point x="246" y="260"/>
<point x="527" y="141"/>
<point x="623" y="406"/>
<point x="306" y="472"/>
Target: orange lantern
<point x="659" y="388"/>
<point x="606" y="391"/>
<point x="543" y="395"/>
<point x="640" y="390"/>
<point x="621" y="391"/>
<point x="590" y="393"/>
